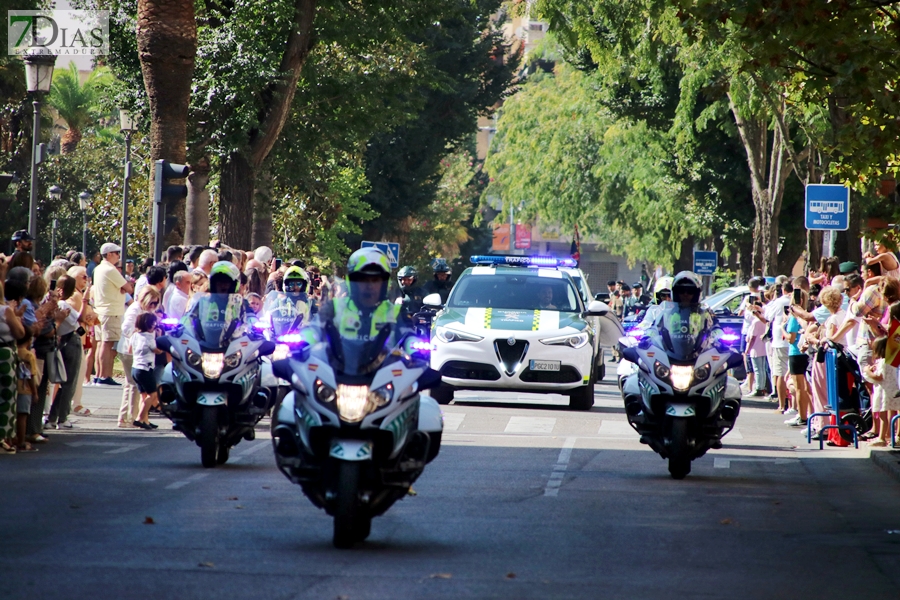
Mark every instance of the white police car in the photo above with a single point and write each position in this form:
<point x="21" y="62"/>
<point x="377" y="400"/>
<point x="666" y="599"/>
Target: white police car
<point x="517" y="323"/>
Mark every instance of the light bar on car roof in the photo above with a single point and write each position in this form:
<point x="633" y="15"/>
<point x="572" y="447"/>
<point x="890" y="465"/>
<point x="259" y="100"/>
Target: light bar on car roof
<point x="523" y="261"/>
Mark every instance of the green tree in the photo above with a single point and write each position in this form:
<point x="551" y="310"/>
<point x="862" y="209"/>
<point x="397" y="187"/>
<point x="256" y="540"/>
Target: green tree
<point x="76" y="102"/>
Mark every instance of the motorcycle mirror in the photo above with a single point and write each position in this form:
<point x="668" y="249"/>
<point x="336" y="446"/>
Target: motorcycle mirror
<point x="597" y="309"/>
<point x="433" y="300"/>
<point x="164" y="343"/>
<point x="429" y="379"/>
<point x="630" y="354"/>
<point x="282" y="368"/>
<point x="266" y="348"/>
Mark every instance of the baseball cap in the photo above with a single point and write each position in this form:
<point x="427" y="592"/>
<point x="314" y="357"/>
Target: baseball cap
<point x="109" y="247"/>
<point x="22" y="235"/>
<point x="848" y="267"/>
<point x="638" y="285"/>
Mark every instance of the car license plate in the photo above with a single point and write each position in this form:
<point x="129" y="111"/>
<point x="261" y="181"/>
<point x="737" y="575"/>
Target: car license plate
<point x="544" y="365"/>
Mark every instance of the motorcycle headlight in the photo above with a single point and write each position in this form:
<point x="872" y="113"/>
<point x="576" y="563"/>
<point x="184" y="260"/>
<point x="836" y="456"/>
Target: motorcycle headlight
<point x="352" y="402"/>
<point x="192" y="358"/>
<point x="381" y="396"/>
<point x="447" y="335"/>
<point x="324" y="392"/>
<point x="681" y="377"/>
<point x="576" y="340"/>
<point x="233" y="360"/>
<point x="702" y="373"/>
<point x="212" y="365"/>
<point x="282" y="351"/>
<point x="660" y="370"/>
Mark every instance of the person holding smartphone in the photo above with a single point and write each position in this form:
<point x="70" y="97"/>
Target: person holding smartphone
<point x="778" y="359"/>
<point x="798" y="360"/>
<point x="743" y="311"/>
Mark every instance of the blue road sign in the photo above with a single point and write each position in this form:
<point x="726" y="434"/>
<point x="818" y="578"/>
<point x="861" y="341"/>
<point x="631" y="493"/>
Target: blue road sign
<point x="705" y="263"/>
<point x="390" y="249"/>
<point x="827" y="207"/>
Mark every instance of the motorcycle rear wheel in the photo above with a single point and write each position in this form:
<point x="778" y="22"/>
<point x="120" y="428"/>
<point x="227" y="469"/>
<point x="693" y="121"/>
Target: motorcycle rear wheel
<point x="679" y="459"/>
<point x="209" y="436"/>
<point x="347" y="509"/>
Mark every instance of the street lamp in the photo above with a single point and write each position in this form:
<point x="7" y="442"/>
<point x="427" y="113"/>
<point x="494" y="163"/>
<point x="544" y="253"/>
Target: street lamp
<point x="38" y="75"/>
<point x="83" y="199"/>
<point x="55" y="195"/>
<point x="127" y="125"/>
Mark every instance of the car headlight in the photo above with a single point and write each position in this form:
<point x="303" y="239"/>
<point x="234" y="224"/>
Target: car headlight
<point x="233" y="360"/>
<point x="681" y="377"/>
<point x="192" y="358"/>
<point x="660" y="370"/>
<point x="702" y="373"/>
<point x="352" y="402"/>
<point x="212" y="364"/>
<point x="282" y="351"/>
<point x="448" y="335"/>
<point x="576" y="340"/>
<point x="324" y="392"/>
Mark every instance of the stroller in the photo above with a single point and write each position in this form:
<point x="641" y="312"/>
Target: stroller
<point x="854" y="403"/>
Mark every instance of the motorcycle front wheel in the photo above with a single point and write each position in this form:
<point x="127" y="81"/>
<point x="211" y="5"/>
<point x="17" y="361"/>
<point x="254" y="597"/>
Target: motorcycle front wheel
<point x="679" y="457"/>
<point x="347" y="514"/>
<point x="209" y="436"/>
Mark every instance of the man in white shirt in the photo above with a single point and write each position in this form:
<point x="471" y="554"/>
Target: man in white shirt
<point x="207" y="259"/>
<point x="775" y="315"/>
<point x="749" y="318"/>
<point x="109" y="291"/>
<point x="178" y="297"/>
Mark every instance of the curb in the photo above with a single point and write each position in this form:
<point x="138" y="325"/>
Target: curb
<point x="888" y="460"/>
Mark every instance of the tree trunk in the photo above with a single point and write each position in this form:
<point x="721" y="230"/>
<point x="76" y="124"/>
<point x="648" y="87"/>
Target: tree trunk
<point x="685" y="260"/>
<point x="167" y="46"/>
<point x="69" y="141"/>
<point x="196" y="210"/>
<point x="262" y="212"/>
<point x="237" y="199"/>
<point x="238" y="181"/>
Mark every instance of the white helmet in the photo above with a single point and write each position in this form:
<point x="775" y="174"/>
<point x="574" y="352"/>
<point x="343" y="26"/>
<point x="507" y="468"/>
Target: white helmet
<point x="663" y="284"/>
<point x="687" y="282"/>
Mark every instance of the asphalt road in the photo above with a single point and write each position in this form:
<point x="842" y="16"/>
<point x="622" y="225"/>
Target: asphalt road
<point x="526" y="500"/>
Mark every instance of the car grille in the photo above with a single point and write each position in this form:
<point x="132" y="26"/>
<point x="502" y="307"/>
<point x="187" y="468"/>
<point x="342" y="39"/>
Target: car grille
<point x="459" y="369"/>
<point x="510" y="356"/>
<point x="566" y="374"/>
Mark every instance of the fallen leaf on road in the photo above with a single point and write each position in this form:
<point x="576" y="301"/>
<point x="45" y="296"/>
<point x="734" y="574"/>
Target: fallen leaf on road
<point x="725" y="521"/>
<point x="440" y="576"/>
<point x="267" y="487"/>
<point x="207" y="565"/>
<point x="149" y="521"/>
<point x="510" y="575"/>
<point x="412" y="492"/>
<point x="239" y="506"/>
<point x="776" y="503"/>
<point x="232" y="498"/>
<point x="343" y="598"/>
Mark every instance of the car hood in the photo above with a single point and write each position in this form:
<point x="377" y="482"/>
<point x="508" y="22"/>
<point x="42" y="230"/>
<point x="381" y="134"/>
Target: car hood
<point x="479" y="318"/>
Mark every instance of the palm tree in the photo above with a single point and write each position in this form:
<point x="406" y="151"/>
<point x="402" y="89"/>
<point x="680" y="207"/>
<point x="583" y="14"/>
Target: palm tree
<point x="75" y="101"/>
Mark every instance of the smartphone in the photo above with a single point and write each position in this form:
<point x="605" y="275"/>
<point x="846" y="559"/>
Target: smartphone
<point x="52" y="284"/>
<point x="798" y="296"/>
<point x="277" y="263"/>
<point x="754" y="301"/>
<point x="787" y="310"/>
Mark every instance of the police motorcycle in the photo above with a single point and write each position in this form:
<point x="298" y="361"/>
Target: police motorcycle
<point x="412" y="301"/>
<point x="211" y="389"/>
<point x="356" y="431"/>
<point x="662" y="292"/>
<point x="681" y="400"/>
<point x="284" y="312"/>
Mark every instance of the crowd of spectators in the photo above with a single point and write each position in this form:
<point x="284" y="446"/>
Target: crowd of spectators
<point x="63" y="325"/>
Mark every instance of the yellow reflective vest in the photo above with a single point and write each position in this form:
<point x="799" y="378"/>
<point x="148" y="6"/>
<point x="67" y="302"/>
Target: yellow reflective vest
<point x="348" y="321"/>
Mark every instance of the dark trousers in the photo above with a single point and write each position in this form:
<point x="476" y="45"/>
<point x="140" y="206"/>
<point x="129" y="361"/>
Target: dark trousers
<point x="70" y="346"/>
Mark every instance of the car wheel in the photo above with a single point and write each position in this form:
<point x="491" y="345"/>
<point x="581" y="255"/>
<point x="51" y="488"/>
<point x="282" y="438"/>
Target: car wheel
<point x="582" y="398"/>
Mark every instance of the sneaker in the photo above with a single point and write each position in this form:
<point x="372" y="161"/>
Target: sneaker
<point x="153" y="426"/>
<point x="64" y="425"/>
<point x="108" y="381"/>
<point x="95" y="381"/>
<point x="790" y="411"/>
<point x="142" y="425"/>
<point x="799" y="423"/>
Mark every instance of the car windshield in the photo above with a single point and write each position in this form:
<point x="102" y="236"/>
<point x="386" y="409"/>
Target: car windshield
<point x="514" y="291"/>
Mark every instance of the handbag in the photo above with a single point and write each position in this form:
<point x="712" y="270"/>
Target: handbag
<point x="56" y="368"/>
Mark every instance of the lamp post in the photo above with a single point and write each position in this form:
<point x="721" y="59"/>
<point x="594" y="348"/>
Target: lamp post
<point x="127" y="125"/>
<point x="38" y="75"/>
<point x="55" y="195"/>
<point x="83" y="199"/>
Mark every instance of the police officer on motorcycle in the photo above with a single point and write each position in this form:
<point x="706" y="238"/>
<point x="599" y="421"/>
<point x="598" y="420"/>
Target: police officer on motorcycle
<point x="686" y="290"/>
<point x="233" y="309"/>
<point x="292" y="304"/>
<point x="441" y="283"/>
<point x="412" y="294"/>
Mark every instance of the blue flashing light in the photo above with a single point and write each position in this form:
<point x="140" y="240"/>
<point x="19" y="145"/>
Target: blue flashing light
<point x="291" y="338"/>
<point x="422" y="346"/>
<point x="523" y="261"/>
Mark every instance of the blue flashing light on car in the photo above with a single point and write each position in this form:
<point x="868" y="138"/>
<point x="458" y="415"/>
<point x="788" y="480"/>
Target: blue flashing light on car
<point x="292" y="338"/>
<point x="522" y="261"/>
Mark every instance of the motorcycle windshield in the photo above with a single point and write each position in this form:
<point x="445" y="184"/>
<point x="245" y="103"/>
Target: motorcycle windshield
<point x="682" y="330"/>
<point x="285" y="313"/>
<point x="356" y="357"/>
<point x="215" y="319"/>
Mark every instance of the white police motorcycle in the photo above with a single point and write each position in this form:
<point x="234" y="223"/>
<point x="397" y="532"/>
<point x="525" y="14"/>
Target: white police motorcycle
<point x="211" y="390"/>
<point x="355" y="432"/>
<point x="681" y="399"/>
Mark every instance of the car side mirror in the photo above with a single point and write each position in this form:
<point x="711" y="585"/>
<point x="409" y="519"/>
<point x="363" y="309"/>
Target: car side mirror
<point x="433" y="300"/>
<point x="597" y="309"/>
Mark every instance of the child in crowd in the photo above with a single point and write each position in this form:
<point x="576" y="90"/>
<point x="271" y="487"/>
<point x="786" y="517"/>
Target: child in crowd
<point x="255" y="302"/>
<point x="884" y="378"/>
<point x="143" y="348"/>
<point x="27" y="390"/>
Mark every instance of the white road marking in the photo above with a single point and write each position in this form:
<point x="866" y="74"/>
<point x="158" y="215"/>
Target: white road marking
<point x="180" y="484"/>
<point x="452" y="420"/>
<point x="530" y="425"/>
<point x="255" y="448"/>
<point x="720" y="462"/>
<point x="559" y="469"/>
<point x="116" y="447"/>
<point x="617" y="428"/>
<point x="734" y="434"/>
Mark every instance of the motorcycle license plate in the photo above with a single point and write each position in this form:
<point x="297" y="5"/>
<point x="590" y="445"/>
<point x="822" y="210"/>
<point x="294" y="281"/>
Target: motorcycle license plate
<point x="544" y="365"/>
